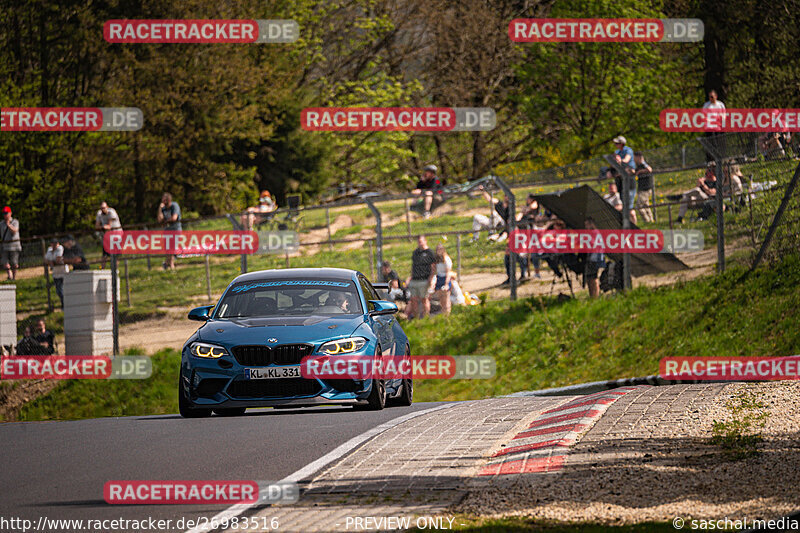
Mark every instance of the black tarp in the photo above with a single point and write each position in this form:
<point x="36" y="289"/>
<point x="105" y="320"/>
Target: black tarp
<point x="573" y="206"/>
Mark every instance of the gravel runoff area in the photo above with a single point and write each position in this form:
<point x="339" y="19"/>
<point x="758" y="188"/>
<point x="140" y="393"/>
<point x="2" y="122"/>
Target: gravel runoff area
<point x="649" y="458"/>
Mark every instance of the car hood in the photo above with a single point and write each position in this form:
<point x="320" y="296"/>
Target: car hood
<point x="287" y="330"/>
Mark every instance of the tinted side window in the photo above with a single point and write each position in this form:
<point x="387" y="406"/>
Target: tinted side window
<point x="369" y="292"/>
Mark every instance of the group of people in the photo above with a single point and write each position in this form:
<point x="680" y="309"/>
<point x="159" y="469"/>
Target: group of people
<point x="37" y="341"/>
<point x="639" y="178"/>
<point x="431" y="277"/>
<point x="705" y="191"/>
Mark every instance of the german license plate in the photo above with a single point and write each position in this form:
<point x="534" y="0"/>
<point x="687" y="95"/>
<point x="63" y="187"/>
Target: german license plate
<point x="272" y="372"/>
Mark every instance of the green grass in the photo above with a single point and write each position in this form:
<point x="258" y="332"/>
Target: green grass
<point x="540" y="343"/>
<point x="78" y="399"/>
<point x="537" y="342"/>
<point x="513" y="524"/>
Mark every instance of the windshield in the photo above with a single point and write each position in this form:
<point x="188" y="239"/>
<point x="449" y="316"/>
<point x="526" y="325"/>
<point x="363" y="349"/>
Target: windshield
<point x="289" y="298"/>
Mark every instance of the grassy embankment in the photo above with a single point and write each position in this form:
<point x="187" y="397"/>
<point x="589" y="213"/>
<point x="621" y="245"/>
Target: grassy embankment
<point x="537" y="342"/>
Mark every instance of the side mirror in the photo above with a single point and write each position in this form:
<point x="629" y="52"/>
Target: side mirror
<point x="383" y="307"/>
<point x="200" y="313"/>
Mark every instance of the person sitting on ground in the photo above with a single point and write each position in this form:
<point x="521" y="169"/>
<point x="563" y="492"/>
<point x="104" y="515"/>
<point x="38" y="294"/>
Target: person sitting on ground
<point x="427" y="186"/>
<point x="732" y="182"/>
<point x="45" y="338"/>
<point x="697" y="197"/>
<point x="396" y="290"/>
<point x="613" y="197"/>
<point x="594" y="262"/>
<point x="73" y="254"/>
<point x="260" y="213"/>
<point x="422" y="279"/>
<point x="27" y="345"/>
<point x="644" y="186"/>
<point x="444" y="275"/>
<point x="770" y="146"/>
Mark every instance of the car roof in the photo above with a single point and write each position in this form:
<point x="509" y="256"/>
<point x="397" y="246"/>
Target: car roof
<point x="299" y="273"/>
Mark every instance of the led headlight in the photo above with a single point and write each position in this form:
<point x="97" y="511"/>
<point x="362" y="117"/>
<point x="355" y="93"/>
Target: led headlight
<point x="349" y="345"/>
<point x="210" y="351"/>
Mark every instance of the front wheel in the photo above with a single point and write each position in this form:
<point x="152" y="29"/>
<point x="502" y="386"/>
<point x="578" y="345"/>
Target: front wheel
<point x="377" y="396"/>
<point x="185" y="406"/>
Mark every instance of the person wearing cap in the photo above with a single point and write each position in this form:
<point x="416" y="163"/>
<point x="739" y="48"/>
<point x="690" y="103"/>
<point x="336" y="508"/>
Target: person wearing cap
<point x="11" y="245"/>
<point x="54" y="258"/>
<point x="73" y="254"/>
<point x="624" y="157"/>
<point x="256" y="215"/>
<point x="106" y="219"/>
<point x="427" y="186"/>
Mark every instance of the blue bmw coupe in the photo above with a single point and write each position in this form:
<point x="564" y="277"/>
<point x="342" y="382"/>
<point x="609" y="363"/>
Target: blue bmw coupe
<point x="248" y="351"/>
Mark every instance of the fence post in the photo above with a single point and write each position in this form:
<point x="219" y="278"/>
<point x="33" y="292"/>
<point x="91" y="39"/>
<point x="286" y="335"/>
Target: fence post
<point x="46" y="277"/>
<point x="208" y="279"/>
<point x="626" y="218"/>
<point x="653" y="210"/>
<point x="720" y="219"/>
<point x="371" y="261"/>
<point x="683" y="156"/>
<point x="378" y="233"/>
<point x="238" y="227"/>
<point x="328" y="225"/>
<point x="114" y="304"/>
<point x="127" y="283"/>
<point x="458" y="264"/>
<point x="148" y="255"/>
<point x="408" y="219"/>
<point x="510" y="226"/>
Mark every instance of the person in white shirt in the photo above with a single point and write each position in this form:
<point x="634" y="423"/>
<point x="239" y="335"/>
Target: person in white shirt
<point x="444" y="274"/>
<point x="53" y="258"/>
<point x="107" y="219"/>
<point x="713" y="101"/>
<point x="613" y="197"/>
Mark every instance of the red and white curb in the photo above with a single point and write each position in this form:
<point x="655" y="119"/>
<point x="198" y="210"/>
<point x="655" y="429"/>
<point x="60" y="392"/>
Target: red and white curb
<point x="543" y="445"/>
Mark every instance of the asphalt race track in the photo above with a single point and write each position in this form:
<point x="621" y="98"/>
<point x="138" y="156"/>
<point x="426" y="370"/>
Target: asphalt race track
<point x="58" y="469"/>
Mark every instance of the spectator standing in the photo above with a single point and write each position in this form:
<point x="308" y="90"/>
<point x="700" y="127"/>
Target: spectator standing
<point x="705" y="190"/>
<point x="644" y="186"/>
<point x="10" y="244"/>
<point x="624" y="156"/>
<point x="444" y="275"/>
<point x="427" y="186"/>
<point x="54" y="258"/>
<point x="169" y="216"/>
<point x="532" y="218"/>
<point x="612" y="197"/>
<point x="45" y="338"/>
<point x="421" y="281"/>
<point x="715" y="104"/>
<point x="594" y="262"/>
<point x="106" y="219"/>
<point x="73" y="254"/>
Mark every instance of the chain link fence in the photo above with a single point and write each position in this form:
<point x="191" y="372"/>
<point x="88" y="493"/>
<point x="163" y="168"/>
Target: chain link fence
<point x="361" y="233"/>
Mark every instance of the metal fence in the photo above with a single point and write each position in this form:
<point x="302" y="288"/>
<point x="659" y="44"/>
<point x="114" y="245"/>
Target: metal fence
<point x="760" y="221"/>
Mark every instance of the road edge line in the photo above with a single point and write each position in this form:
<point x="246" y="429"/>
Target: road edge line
<point x="314" y="466"/>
